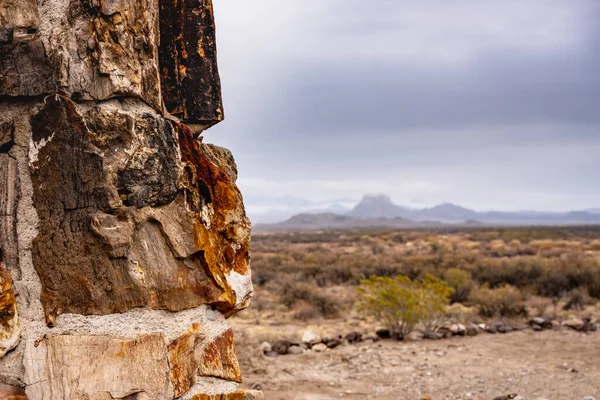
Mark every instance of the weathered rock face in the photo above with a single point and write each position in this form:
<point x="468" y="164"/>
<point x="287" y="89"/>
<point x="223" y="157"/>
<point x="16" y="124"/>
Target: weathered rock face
<point x="220" y="359"/>
<point x="96" y="49"/>
<point x="7" y="136"/>
<point x="123" y="237"/>
<point x="24" y="69"/>
<point x="240" y="395"/>
<point x="145" y="366"/>
<point x="191" y="84"/>
<point x="139" y="364"/>
<point x="137" y="197"/>
<point x="107" y="48"/>
<point x="189" y="359"/>
<point x="12" y="393"/>
<point x="9" y="187"/>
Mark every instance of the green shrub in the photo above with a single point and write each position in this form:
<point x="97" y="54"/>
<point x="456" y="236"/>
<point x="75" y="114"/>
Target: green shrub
<point x="400" y="303"/>
<point x="462" y="283"/>
<point x="504" y="301"/>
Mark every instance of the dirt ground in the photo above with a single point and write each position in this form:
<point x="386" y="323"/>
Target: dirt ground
<point x="554" y="365"/>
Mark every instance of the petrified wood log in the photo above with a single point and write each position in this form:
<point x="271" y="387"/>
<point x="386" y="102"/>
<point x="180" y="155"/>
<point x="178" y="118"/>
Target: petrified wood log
<point x="144" y="365"/>
<point x="9" y="188"/>
<point x="188" y="60"/>
<point x="123" y="237"/>
<point x="24" y="69"/>
<point x="140" y="365"/>
<point x="106" y="49"/>
<point x="134" y="212"/>
<point x="189" y="358"/>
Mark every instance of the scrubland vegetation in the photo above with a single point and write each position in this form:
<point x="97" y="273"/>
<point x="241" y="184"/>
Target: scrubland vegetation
<point x="331" y="306"/>
<point x="489" y="273"/>
<point x="401" y="303"/>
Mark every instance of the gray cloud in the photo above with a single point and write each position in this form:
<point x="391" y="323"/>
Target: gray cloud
<point x="490" y="104"/>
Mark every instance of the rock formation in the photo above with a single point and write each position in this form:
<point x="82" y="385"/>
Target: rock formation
<point x="123" y="237"/>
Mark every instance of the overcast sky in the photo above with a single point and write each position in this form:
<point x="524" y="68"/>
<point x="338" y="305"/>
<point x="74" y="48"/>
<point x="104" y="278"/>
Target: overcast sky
<point x="489" y="104"/>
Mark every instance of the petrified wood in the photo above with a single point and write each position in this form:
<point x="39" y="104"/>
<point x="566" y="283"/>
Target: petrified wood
<point x="69" y="367"/>
<point x="134" y="212"/>
<point x="145" y="365"/>
<point x="239" y="395"/>
<point x="188" y="359"/>
<point x="7" y="135"/>
<point x="8" y="392"/>
<point x="9" y="327"/>
<point x="9" y="188"/>
<point x="188" y="61"/>
<point x="24" y="68"/>
<point x="106" y="49"/>
<point x="220" y="359"/>
<point x="124" y="243"/>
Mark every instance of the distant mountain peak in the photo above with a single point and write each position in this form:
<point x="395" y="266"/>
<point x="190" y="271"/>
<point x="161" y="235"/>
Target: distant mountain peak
<point x="376" y="197"/>
<point x="448" y="204"/>
<point x="377" y="206"/>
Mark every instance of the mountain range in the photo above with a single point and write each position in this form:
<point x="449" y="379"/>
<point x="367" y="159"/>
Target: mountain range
<point x="380" y="211"/>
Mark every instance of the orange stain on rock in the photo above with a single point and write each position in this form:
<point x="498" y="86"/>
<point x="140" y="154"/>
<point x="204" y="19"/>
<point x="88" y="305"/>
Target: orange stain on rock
<point x="184" y="359"/>
<point x="213" y="186"/>
<point x="220" y="359"/>
<point x="8" y="300"/>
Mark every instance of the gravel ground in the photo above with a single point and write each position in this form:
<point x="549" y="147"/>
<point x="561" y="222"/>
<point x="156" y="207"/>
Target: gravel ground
<point x="554" y="365"/>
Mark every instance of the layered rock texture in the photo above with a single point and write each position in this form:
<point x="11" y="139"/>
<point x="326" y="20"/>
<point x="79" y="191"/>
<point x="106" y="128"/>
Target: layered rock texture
<point x="123" y="237"/>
